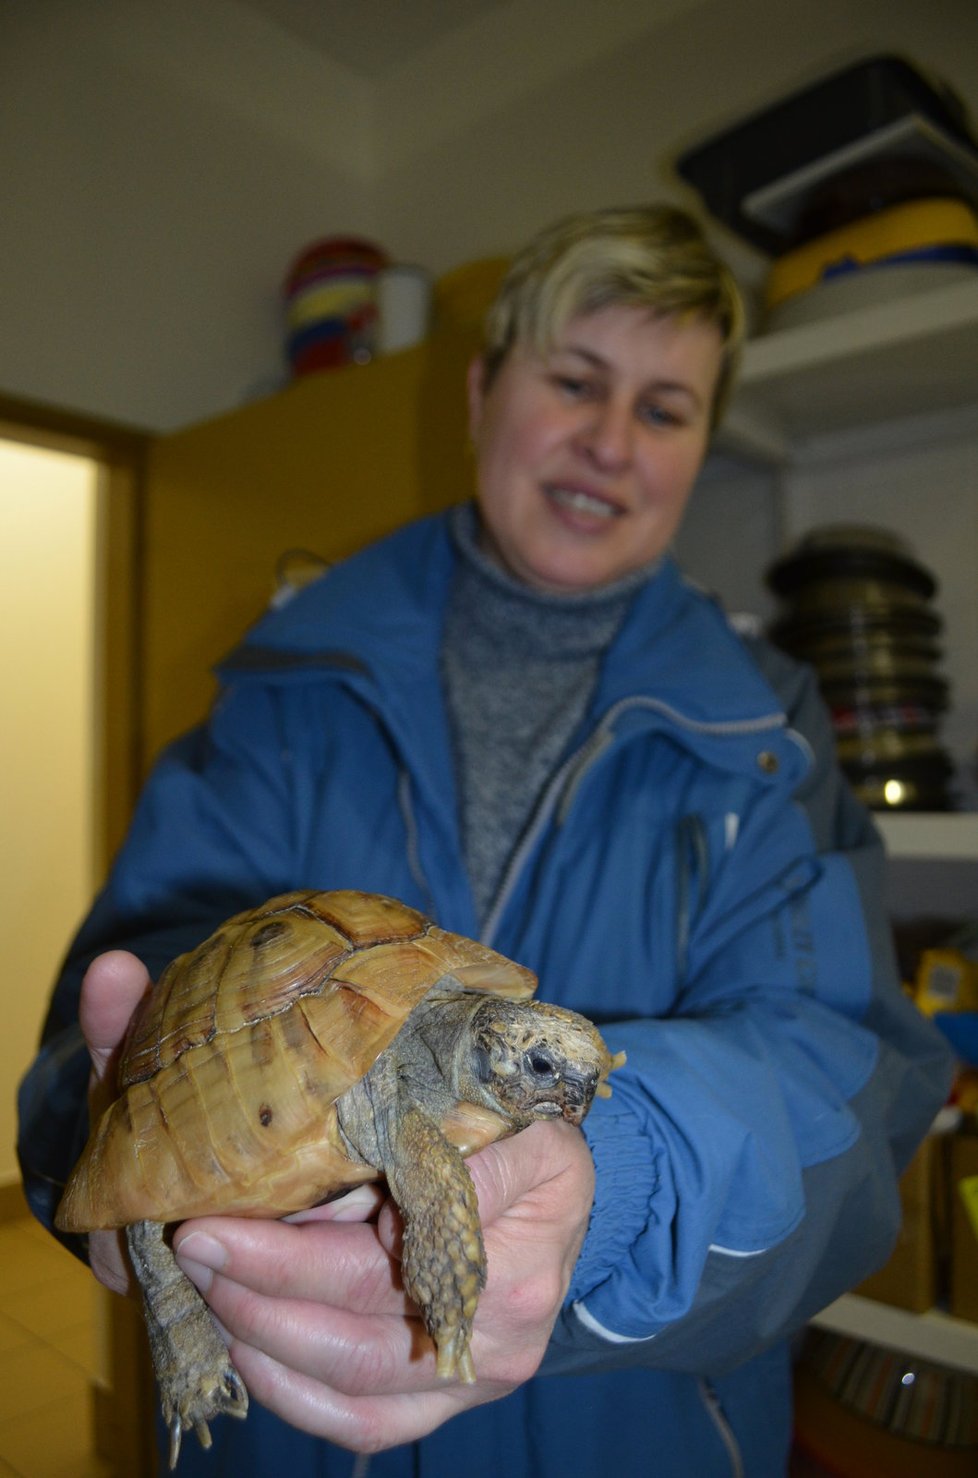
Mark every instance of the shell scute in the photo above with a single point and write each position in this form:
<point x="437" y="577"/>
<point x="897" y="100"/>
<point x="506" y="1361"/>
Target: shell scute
<point x="267" y="977"/>
<point x="252" y="968"/>
<point x="364" y="918"/>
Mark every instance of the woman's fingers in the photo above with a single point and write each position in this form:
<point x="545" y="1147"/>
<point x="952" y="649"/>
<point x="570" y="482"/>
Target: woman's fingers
<point x="360" y="1204"/>
<point x="113" y="986"/>
<point x="323" y="1300"/>
<point x="338" y="1263"/>
<point x="109" y="1262"/>
<point x="368" y="1423"/>
<point x="351" y="1354"/>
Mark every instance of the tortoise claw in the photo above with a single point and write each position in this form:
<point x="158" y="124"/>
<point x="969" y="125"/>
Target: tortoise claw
<point x="228" y="1398"/>
<point x="203" y="1434"/>
<point x="176" y="1433"/>
<point x="454" y="1359"/>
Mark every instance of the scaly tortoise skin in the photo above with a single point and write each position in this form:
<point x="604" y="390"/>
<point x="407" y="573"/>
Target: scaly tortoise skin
<point x="312" y="1044"/>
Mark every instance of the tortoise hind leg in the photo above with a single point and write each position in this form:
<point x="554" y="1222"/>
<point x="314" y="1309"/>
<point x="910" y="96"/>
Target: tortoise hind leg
<point x="193" y="1369"/>
<point x="443" y="1261"/>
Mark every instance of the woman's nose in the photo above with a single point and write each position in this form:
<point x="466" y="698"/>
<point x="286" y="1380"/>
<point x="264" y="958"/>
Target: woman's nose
<point x="606" y="438"/>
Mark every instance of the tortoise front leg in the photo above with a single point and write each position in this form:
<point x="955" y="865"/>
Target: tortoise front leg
<point x="443" y="1261"/>
<point x="193" y="1369"/>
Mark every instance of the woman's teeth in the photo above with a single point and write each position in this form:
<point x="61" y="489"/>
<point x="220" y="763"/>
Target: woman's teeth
<point x="580" y="502"/>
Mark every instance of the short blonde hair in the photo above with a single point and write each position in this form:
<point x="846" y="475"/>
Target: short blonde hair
<point x="651" y="256"/>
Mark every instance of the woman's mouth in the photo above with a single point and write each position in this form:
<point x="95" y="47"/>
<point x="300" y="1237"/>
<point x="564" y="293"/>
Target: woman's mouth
<point x="581" y="502"/>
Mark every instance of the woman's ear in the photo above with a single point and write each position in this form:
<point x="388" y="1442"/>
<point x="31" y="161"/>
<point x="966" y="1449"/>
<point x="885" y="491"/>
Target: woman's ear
<point x="476" y="389"/>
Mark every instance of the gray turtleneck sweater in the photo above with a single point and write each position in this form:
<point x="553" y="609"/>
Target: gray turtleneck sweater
<point x="519" y="667"/>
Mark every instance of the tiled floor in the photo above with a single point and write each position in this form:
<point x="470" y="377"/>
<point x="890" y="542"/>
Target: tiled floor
<point x="47" y="1358"/>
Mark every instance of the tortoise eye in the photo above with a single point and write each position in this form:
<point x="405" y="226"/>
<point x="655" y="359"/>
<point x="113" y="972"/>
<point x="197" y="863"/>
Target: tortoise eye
<point x="540" y="1065"/>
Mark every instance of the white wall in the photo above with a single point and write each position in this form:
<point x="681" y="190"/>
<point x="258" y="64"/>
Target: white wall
<point x="162" y="164"/>
<point x="47" y="564"/>
<point x="591" y="102"/>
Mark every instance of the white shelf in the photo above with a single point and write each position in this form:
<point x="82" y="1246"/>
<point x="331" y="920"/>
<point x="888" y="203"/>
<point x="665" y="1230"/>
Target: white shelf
<point x="911" y="357"/>
<point x="931" y="1336"/>
<point x="903" y="364"/>
<point x="937" y="836"/>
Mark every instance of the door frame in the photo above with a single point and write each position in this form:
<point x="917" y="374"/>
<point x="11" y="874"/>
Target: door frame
<point x="124" y="1407"/>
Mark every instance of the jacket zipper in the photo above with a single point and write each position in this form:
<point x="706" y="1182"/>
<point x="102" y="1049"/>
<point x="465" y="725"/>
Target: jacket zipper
<point x="724" y="1430"/>
<point x="562" y="788"/>
<point x="692" y="866"/>
<point x="412" y="846"/>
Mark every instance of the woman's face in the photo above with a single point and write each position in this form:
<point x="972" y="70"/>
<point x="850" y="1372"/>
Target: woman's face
<point x="587" y="456"/>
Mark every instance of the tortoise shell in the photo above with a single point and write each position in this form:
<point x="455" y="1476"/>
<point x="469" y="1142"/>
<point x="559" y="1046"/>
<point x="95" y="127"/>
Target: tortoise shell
<point x="235" y="1059"/>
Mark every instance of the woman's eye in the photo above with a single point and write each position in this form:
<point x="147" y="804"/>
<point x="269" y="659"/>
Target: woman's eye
<point x="659" y="415"/>
<point x="573" y="387"/>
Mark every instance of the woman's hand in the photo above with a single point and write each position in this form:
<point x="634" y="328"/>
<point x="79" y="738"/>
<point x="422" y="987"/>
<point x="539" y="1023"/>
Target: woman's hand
<point x="321" y="1331"/>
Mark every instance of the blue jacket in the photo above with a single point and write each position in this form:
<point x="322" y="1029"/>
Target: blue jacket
<point x="697" y="879"/>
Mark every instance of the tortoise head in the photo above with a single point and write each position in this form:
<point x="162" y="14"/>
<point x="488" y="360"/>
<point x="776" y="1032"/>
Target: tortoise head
<point x="534" y="1061"/>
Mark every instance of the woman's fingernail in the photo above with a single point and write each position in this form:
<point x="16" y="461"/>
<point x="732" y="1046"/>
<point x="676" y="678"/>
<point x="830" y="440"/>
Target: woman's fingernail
<point x="356" y="1205"/>
<point x="200" y="1257"/>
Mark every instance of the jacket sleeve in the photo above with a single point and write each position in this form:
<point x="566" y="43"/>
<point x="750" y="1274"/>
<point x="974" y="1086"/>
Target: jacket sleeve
<point x="747" y="1162"/>
<point x="209" y="837"/>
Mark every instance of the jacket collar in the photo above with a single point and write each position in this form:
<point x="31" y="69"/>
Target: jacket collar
<point x="377" y="619"/>
<point x="384" y="607"/>
<point x="677" y="645"/>
<point x="373" y="622"/>
<point x="384" y="603"/>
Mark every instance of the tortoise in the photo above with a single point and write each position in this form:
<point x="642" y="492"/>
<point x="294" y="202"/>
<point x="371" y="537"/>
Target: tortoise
<point x="317" y="1042"/>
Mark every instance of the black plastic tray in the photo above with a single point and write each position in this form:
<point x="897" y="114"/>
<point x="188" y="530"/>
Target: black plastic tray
<point x="932" y="153"/>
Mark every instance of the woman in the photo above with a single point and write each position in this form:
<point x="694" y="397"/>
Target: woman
<point x="520" y="718"/>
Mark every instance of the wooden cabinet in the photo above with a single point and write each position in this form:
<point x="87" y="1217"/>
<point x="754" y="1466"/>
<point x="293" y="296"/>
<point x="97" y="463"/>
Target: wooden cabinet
<point x="337" y="459"/>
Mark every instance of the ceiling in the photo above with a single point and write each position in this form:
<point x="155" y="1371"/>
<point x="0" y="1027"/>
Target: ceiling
<point x="370" y="36"/>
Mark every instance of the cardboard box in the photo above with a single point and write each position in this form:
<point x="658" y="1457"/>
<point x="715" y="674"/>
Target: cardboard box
<point x="910" y="1280"/>
<point x="964" y="1226"/>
